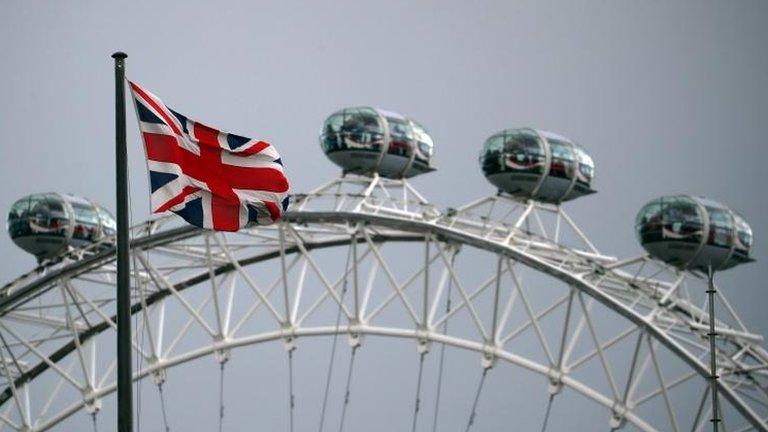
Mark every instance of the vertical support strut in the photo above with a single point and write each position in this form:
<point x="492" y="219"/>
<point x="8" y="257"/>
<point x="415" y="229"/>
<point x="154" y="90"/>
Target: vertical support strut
<point x="124" y="369"/>
<point x="712" y="348"/>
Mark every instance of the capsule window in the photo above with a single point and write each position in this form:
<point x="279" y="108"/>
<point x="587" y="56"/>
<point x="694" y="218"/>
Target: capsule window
<point x="425" y="147"/>
<point x="649" y="222"/>
<point x="492" y="155"/>
<point x="744" y="236"/>
<point x="356" y="128"/>
<point x="331" y="139"/>
<point x="586" y="171"/>
<point x="40" y="221"/>
<point x="86" y="222"/>
<point x="720" y="227"/>
<point x="400" y="137"/>
<point x="108" y="224"/>
<point x="17" y="219"/>
<point x="47" y="216"/>
<point x="681" y="220"/>
<point x="524" y="152"/>
<point x="492" y="148"/>
<point x="562" y="159"/>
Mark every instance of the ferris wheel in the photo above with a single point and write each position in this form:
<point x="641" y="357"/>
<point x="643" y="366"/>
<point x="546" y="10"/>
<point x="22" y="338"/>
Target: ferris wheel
<point x="510" y="279"/>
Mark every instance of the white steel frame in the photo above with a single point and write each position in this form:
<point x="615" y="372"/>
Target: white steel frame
<point x="50" y="318"/>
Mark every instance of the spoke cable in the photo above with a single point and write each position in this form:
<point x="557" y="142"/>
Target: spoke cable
<point x="93" y="420"/>
<point x="473" y="414"/>
<point x="347" y="390"/>
<point x="335" y="338"/>
<point x="441" y="363"/>
<point x="417" y="401"/>
<point x="561" y="353"/>
<point x="162" y="407"/>
<point x="221" y="396"/>
<point x="549" y="410"/>
<point x="291" y="399"/>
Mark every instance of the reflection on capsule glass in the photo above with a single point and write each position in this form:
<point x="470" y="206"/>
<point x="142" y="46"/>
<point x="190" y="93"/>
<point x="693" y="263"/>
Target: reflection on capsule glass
<point x="46" y="225"/>
<point x="365" y="140"/>
<point x="539" y="165"/>
<point x="693" y="233"/>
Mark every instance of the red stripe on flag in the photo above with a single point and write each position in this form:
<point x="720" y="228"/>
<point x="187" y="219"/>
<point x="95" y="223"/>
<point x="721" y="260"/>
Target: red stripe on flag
<point x="274" y="211"/>
<point x="226" y="216"/>
<point x="206" y="135"/>
<point x="266" y="179"/>
<point x="157" y="108"/>
<point x="225" y="204"/>
<point x="252" y="150"/>
<point x="178" y="199"/>
<point x="164" y="148"/>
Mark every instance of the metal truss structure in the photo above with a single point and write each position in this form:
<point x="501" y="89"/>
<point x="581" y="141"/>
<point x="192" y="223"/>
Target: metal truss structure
<point x="514" y="270"/>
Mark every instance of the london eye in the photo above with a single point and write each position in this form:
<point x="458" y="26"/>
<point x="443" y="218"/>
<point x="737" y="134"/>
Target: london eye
<point x="509" y="281"/>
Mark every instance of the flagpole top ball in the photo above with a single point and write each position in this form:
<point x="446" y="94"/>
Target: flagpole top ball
<point x="695" y="233"/>
<point x="48" y="224"/>
<point x="534" y="164"/>
<point x="119" y="55"/>
<point x="367" y="141"/>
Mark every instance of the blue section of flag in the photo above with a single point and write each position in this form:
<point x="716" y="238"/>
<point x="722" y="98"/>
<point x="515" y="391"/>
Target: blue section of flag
<point x="181" y="118"/>
<point x="278" y="161"/>
<point x="235" y="141"/>
<point x="253" y="214"/>
<point x="146" y="115"/>
<point x="159" y="179"/>
<point x="192" y="212"/>
<point x="286" y="201"/>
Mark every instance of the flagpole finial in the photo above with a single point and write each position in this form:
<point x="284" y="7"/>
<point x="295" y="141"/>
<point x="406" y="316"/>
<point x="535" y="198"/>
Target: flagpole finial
<point x="119" y="55"/>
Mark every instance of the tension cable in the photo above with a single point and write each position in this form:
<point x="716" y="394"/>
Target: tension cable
<point x="335" y="338"/>
<point x="417" y="401"/>
<point x="291" y="400"/>
<point x="221" y="396"/>
<point x="546" y="414"/>
<point x="347" y="390"/>
<point x="162" y="407"/>
<point x="441" y="363"/>
<point x="477" y="399"/>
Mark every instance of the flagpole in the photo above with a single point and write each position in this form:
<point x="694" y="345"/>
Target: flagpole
<point x="124" y="369"/>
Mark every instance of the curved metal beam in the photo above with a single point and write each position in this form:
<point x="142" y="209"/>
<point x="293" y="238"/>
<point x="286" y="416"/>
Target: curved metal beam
<point x="443" y="233"/>
<point x="414" y="334"/>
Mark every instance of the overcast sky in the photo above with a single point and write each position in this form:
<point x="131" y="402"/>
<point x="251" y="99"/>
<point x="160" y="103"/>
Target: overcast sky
<point x="668" y="97"/>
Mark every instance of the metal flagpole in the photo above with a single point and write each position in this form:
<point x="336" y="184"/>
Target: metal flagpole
<point x="124" y="369"/>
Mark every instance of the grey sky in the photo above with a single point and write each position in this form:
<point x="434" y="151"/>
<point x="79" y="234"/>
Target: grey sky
<point x="667" y="97"/>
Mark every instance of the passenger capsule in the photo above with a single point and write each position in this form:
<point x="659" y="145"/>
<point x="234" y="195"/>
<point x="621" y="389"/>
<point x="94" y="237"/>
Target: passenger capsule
<point x="543" y="166"/>
<point x="694" y="233"/>
<point x="366" y="140"/>
<point x="46" y="225"/>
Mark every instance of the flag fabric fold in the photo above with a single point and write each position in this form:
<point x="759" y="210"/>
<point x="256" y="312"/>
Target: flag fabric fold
<point x="211" y="178"/>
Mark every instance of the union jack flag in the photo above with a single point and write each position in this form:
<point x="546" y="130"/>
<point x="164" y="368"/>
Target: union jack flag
<point x="211" y="178"/>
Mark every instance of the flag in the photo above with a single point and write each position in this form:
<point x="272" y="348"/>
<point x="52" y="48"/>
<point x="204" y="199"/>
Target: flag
<point x="211" y="178"/>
